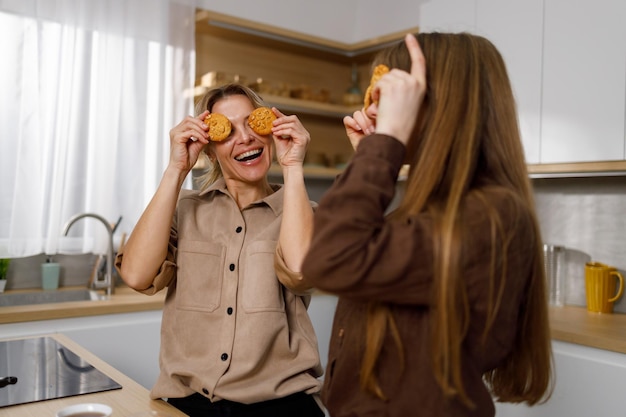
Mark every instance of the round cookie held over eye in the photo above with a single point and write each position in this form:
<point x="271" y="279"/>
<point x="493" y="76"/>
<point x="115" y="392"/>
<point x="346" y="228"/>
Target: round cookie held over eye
<point x="260" y="120"/>
<point x="219" y="126"/>
<point x="378" y="72"/>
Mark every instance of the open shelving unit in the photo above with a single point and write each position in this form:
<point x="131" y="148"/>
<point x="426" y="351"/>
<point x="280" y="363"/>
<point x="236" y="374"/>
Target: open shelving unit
<point x="235" y="45"/>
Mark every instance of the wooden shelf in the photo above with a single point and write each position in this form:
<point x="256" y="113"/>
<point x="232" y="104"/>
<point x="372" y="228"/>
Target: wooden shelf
<point x="564" y="170"/>
<point x="578" y="169"/>
<point x="328" y="173"/>
<point x="244" y="30"/>
<point x="309" y="107"/>
<point x="290" y="64"/>
<point x="314" y="172"/>
<point x="288" y="104"/>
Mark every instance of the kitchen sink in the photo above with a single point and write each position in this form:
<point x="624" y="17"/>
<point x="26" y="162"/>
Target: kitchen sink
<point x="48" y="297"/>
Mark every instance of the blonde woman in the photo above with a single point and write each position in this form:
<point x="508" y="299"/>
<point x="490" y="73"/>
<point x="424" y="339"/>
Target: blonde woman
<point x="236" y="339"/>
<point x="442" y="303"/>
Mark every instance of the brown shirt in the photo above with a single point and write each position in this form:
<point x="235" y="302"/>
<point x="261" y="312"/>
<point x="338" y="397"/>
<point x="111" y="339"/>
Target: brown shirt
<point x="230" y="330"/>
<point x="360" y="257"/>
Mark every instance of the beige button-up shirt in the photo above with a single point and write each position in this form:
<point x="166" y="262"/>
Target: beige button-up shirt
<point x="230" y="330"/>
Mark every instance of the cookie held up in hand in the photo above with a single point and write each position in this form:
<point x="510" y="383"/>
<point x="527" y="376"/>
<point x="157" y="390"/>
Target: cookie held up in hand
<point x="379" y="71"/>
<point x="260" y="120"/>
<point x="219" y="126"/>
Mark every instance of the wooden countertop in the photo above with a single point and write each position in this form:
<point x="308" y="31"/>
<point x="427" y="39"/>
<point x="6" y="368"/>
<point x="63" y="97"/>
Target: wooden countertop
<point x="569" y="324"/>
<point x="124" y="300"/>
<point x="130" y="399"/>
<point x="577" y="325"/>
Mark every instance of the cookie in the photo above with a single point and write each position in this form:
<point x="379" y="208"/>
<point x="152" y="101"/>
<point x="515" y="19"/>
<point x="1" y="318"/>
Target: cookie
<point x="260" y="120"/>
<point x="219" y="126"/>
<point x="378" y="72"/>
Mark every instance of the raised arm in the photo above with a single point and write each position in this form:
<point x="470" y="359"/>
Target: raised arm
<point x="292" y="139"/>
<point x="147" y="245"/>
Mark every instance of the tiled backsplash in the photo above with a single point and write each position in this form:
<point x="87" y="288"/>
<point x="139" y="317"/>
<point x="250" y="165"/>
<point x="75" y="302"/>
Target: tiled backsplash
<point x="588" y="217"/>
<point x="585" y="215"/>
<point x="26" y="272"/>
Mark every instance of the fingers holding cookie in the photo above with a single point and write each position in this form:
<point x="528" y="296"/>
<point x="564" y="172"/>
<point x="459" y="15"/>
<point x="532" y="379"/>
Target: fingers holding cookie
<point x="290" y="128"/>
<point x="358" y="126"/>
<point x="189" y="129"/>
<point x="187" y="139"/>
<point x="378" y="72"/>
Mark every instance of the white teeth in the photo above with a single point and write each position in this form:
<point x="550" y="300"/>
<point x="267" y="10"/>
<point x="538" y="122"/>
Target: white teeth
<point x="248" y="154"/>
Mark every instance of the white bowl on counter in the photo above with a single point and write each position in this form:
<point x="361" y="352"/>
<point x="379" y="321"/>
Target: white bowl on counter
<point x="85" y="410"/>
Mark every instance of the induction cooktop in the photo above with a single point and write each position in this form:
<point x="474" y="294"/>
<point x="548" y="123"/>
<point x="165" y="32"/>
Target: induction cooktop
<point x="40" y="369"/>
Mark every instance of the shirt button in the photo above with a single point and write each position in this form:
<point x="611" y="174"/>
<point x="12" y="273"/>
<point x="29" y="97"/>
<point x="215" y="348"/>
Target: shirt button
<point x="224" y="356"/>
<point x="231" y="267"/>
<point x="229" y="310"/>
<point x="206" y="391"/>
<point x="238" y="229"/>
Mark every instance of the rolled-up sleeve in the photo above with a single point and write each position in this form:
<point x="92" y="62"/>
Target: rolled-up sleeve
<point x="294" y="281"/>
<point x="165" y="274"/>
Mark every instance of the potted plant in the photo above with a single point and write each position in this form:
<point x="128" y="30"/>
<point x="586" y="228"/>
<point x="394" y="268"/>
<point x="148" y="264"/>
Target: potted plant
<point x="4" y="270"/>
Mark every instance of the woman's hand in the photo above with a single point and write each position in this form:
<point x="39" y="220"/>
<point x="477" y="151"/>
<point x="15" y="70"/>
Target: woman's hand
<point x="358" y="126"/>
<point x="400" y="95"/>
<point x="291" y="139"/>
<point x="187" y="140"/>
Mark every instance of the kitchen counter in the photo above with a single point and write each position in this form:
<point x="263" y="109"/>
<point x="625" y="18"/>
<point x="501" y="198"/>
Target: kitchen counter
<point x="124" y="300"/>
<point x="130" y="399"/>
<point x="577" y="325"/>
<point x="568" y="324"/>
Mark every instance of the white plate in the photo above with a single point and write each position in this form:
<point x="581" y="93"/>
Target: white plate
<point x="85" y="410"/>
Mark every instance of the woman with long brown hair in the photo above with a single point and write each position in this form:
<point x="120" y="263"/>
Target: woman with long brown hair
<point x="442" y="302"/>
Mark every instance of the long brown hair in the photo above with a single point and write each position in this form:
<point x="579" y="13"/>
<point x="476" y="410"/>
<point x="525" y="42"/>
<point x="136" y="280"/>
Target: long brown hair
<point x="206" y="102"/>
<point x="467" y="134"/>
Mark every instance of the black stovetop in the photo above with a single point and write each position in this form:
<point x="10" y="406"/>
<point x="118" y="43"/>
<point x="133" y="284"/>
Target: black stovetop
<point x="44" y="369"/>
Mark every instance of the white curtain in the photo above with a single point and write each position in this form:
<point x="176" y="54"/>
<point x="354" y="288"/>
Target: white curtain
<point x="89" y="90"/>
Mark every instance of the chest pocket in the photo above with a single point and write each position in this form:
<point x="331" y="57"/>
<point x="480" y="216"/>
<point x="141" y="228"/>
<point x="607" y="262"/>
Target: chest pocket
<point x="261" y="290"/>
<point x="199" y="275"/>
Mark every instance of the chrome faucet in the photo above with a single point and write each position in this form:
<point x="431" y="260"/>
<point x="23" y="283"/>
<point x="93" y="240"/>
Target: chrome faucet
<point x="107" y="283"/>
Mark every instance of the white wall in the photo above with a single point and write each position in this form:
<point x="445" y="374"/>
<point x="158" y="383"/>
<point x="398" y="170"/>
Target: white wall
<point x="352" y="21"/>
<point x="378" y="18"/>
<point x="334" y="20"/>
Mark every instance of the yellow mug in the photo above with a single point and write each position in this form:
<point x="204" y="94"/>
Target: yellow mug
<point x="600" y="287"/>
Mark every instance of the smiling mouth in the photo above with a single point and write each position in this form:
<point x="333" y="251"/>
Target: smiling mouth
<point x="249" y="156"/>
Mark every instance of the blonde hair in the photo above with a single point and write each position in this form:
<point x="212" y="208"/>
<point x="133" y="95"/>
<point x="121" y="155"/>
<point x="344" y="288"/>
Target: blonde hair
<point x="467" y="132"/>
<point x="213" y="171"/>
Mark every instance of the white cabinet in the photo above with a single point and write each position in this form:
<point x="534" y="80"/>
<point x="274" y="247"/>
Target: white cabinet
<point x="584" y="81"/>
<point x="446" y="16"/>
<point x="322" y="312"/>
<point x="516" y="29"/>
<point x="566" y="60"/>
<point x="589" y="382"/>
<point x="129" y="342"/>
